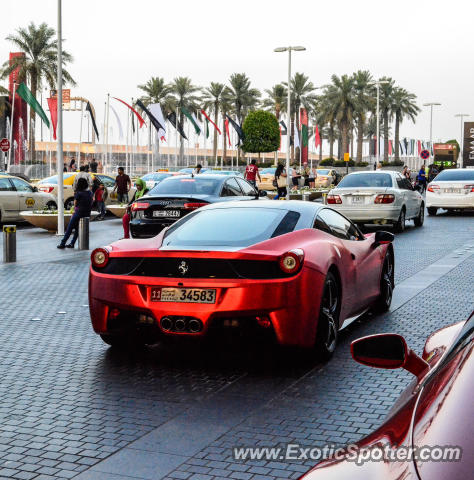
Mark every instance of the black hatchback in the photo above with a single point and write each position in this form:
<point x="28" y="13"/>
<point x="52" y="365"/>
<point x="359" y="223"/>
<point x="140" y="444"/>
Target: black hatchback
<point x="177" y="196"/>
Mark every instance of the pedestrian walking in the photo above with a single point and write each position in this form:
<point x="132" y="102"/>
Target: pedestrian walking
<point x="82" y="174"/>
<point x="280" y="181"/>
<point x="122" y="185"/>
<point x="295" y="177"/>
<point x="251" y="173"/>
<point x="93" y="165"/>
<point x="406" y="172"/>
<point x="198" y="169"/>
<point x="100" y="197"/>
<point x="72" y="165"/>
<point x="82" y="208"/>
<point x="140" y="185"/>
<point x="421" y="178"/>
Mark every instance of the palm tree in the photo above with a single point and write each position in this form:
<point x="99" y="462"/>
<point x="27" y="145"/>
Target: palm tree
<point x="341" y="96"/>
<point x="243" y="97"/>
<point x="403" y="106"/>
<point x="363" y="104"/>
<point x="184" y="94"/>
<point x="326" y="115"/>
<point x="157" y="91"/>
<point x="213" y="97"/>
<point x="38" y="65"/>
<point x="276" y="99"/>
<point x="386" y="103"/>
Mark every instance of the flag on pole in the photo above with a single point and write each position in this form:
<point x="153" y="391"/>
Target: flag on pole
<point x="154" y="121"/>
<point x="390" y="147"/>
<point x="317" y="137"/>
<point x="139" y="117"/>
<point x="155" y="110"/>
<point x="419" y="147"/>
<point x="53" y="112"/>
<point x="24" y="92"/>
<point x="209" y="120"/>
<point x="172" y="118"/>
<point x="189" y="116"/>
<point x="89" y="109"/>
<point x="297" y="138"/>
<point x="118" y="122"/>
<point x="285" y="130"/>
<point x="226" y="125"/>
<point x="237" y="128"/>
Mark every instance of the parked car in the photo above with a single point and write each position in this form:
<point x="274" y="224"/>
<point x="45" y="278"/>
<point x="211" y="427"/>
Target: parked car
<point x="177" y="196"/>
<point x="50" y="185"/>
<point x="452" y="189"/>
<point x="189" y="170"/>
<point x="234" y="173"/>
<point x="292" y="272"/>
<point x="268" y="175"/>
<point x="154" y="178"/>
<point x="378" y="197"/>
<point x="327" y="177"/>
<point x="16" y="196"/>
<point x="436" y="410"/>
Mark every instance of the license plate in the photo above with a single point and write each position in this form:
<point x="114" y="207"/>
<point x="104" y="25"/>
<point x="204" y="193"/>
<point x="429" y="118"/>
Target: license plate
<point x="357" y="199"/>
<point x="166" y="213"/>
<point x="452" y="190"/>
<point x="183" y="295"/>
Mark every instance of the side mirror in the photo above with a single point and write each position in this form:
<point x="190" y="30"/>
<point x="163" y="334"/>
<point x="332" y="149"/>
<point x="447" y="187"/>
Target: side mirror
<point x="262" y="193"/>
<point x="35" y="189"/>
<point x="382" y="238"/>
<point x="387" y="350"/>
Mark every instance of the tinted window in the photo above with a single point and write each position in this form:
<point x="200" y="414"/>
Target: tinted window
<point x="5" y="185"/>
<point x="230" y="227"/>
<point x="403" y="183"/>
<point x="455" y="175"/>
<point x="248" y="190"/>
<point x="54" y="179"/>
<point x="231" y="188"/>
<point x="366" y="180"/>
<point x="21" y="185"/>
<point x="340" y="226"/>
<point x="197" y="185"/>
<point x="107" y="181"/>
<point x="320" y="225"/>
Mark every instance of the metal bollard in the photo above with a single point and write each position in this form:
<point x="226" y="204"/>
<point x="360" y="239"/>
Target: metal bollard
<point x="84" y="233"/>
<point x="306" y="197"/>
<point x="325" y="196"/>
<point x="9" y="243"/>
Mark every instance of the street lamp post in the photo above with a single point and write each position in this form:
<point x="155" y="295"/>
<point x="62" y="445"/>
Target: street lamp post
<point x="461" y="116"/>
<point x="377" y="84"/>
<point x="59" y="159"/>
<point x="288" y="128"/>
<point x="431" y="105"/>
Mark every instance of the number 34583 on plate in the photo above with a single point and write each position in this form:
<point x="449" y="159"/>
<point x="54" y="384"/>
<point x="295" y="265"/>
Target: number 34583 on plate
<point x="183" y="295"/>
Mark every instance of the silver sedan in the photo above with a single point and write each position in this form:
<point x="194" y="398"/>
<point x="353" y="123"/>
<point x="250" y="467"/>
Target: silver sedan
<point x="378" y="197"/>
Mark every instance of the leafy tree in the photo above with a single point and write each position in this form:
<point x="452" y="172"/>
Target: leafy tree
<point x="39" y="64"/>
<point x="261" y="132"/>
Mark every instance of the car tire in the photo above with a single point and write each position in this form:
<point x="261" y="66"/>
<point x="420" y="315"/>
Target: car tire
<point x="51" y="205"/>
<point x="432" y="211"/>
<point x="400" y="225"/>
<point x="421" y="216"/>
<point x="69" y="203"/>
<point x="387" y="284"/>
<point x="328" y="319"/>
<point x="122" y="341"/>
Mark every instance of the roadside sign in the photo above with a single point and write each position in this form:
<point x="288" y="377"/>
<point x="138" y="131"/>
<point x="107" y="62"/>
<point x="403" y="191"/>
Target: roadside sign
<point x="5" y="144"/>
<point x="425" y="154"/>
<point x="346" y="157"/>
<point x="66" y="95"/>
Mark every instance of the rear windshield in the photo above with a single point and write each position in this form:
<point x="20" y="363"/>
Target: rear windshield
<point x="197" y="185"/>
<point x="366" y="180"/>
<point x="455" y="175"/>
<point x="54" y="179"/>
<point x="323" y="172"/>
<point x="230" y="227"/>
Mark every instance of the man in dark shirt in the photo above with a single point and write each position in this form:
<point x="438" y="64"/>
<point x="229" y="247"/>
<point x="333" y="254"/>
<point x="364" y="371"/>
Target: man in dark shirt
<point x="122" y="185"/>
<point x="93" y="165"/>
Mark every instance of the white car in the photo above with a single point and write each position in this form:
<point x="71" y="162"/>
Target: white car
<point x="17" y="195"/>
<point x="378" y="197"/>
<point x="452" y="189"/>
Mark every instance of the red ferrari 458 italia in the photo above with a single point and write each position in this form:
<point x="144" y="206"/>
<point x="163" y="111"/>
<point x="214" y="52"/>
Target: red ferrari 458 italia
<point x="296" y="272"/>
<point x="428" y="434"/>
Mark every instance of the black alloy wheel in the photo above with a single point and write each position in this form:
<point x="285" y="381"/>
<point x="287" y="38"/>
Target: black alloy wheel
<point x="387" y="284"/>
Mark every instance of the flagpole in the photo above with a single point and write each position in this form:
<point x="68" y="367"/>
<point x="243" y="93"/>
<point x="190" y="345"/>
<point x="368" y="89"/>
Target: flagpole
<point x="176" y="138"/>
<point x="187" y="156"/>
<point x="11" y="127"/>
<point x="80" y="135"/>
<point x="127" y="142"/>
<point x="59" y="159"/>
<point x="149" y="147"/>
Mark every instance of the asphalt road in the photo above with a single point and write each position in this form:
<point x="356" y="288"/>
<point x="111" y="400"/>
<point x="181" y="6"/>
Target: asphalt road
<point x="72" y="407"/>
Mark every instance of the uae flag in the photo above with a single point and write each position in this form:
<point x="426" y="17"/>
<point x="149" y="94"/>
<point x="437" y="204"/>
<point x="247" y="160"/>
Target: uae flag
<point x="154" y="121"/>
<point x="53" y="112"/>
<point x="24" y="92"/>
<point x="139" y="117"/>
<point x="208" y="120"/>
<point x="89" y="109"/>
<point x="189" y="116"/>
<point x="317" y="137"/>
<point x="226" y="126"/>
<point x="284" y="131"/>
<point x="304" y="135"/>
<point x="237" y="128"/>
<point x="172" y="119"/>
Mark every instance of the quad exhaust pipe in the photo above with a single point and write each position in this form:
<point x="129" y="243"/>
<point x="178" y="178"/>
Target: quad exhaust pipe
<point x="181" y="324"/>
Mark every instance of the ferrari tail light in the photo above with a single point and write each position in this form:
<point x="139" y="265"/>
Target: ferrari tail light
<point x="139" y="206"/>
<point x="193" y="206"/>
<point x="384" y="198"/>
<point x="46" y="189"/>
<point x="332" y="199"/>
<point x="432" y="187"/>
<point x="114" y="313"/>
<point x="290" y="262"/>
<point x="100" y="257"/>
<point x="469" y="187"/>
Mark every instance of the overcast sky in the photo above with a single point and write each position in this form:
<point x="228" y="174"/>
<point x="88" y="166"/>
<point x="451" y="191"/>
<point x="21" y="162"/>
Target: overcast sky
<point x="426" y="46"/>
